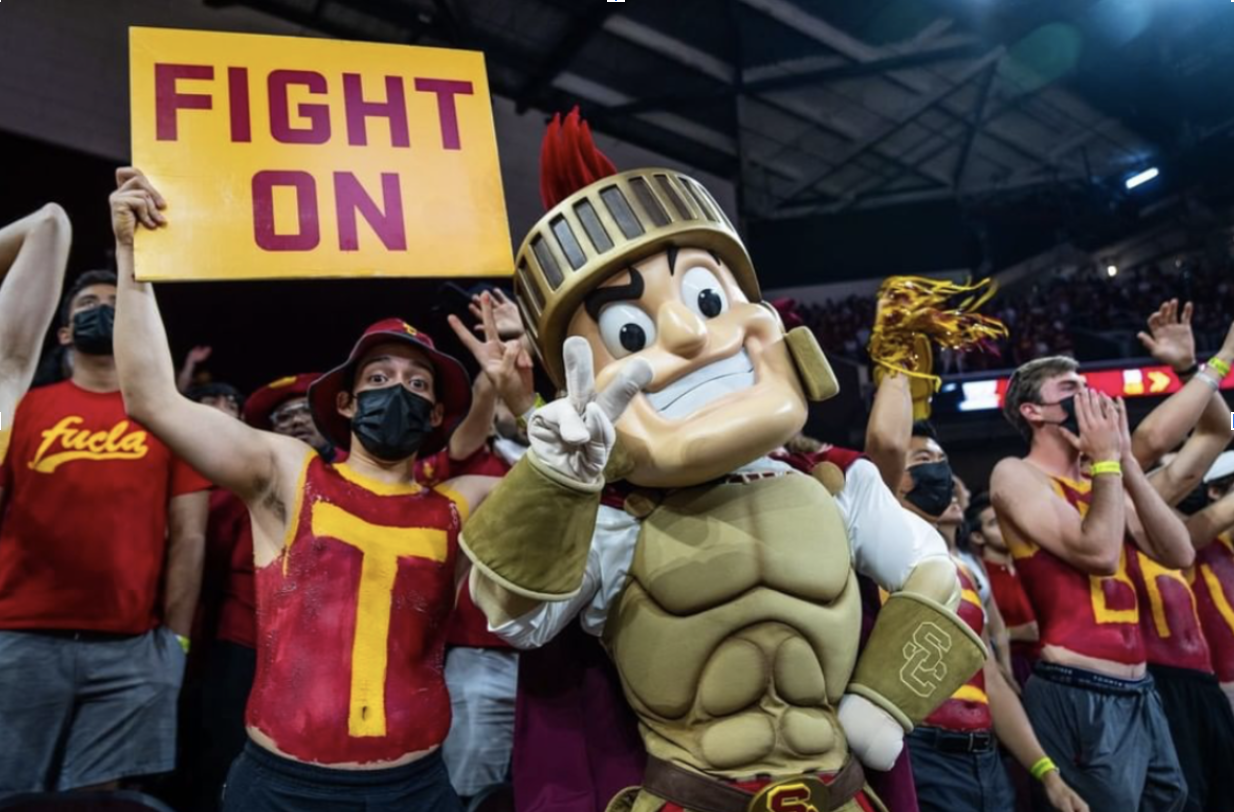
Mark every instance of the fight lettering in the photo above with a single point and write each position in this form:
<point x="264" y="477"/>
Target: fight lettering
<point x="382" y="548"/>
<point x="299" y="112"/>
<point x="64" y="443"/>
<point x="924" y="668"/>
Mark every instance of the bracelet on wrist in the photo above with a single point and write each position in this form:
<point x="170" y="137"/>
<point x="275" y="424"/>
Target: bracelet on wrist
<point x="1107" y="467"/>
<point x="184" y="642"/>
<point x="1220" y="367"/>
<point x="1210" y="376"/>
<point x="1042" y="766"/>
<point x="1189" y="372"/>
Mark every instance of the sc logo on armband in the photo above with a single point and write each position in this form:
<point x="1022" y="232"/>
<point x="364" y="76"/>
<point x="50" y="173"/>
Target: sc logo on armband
<point x="924" y="668"/>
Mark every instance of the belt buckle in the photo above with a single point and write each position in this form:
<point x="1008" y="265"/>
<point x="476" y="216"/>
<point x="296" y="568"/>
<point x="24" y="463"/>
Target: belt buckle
<point x="801" y="794"/>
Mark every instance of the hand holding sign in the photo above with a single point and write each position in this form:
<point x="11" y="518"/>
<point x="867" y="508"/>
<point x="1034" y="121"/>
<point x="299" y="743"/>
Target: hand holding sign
<point x="134" y="201"/>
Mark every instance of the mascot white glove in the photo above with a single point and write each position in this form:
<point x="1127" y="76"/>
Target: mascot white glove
<point x="873" y="736"/>
<point x="574" y="435"/>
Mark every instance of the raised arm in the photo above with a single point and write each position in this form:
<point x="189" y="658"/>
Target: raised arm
<point x="1027" y="505"/>
<point x="1184" y="473"/>
<point x="1171" y="342"/>
<point x="221" y="448"/>
<point x="890" y="428"/>
<point x="1212" y="521"/>
<point x="1153" y="524"/>
<point x="33" y="254"/>
<point x="501" y="325"/>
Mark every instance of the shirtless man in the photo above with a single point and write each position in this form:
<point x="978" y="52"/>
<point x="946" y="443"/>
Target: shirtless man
<point x="1090" y="699"/>
<point x="356" y="564"/>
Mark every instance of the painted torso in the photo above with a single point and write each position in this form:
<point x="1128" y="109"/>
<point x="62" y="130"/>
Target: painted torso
<point x="737" y="630"/>
<point x="1214" y="590"/>
<point x="351" y="621"/>
<point x="1097" y="617"/>
<point x="968" y="709"/>
<point x="1169" y="618"/>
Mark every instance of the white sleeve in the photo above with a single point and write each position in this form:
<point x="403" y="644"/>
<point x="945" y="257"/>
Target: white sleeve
<point x="608" y="561"/>
<point x="887" y="540"/>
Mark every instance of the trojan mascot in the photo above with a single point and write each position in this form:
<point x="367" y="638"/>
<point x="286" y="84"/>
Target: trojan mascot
<point x="722" y="583"/>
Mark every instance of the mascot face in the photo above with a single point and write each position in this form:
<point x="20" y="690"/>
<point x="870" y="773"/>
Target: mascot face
<point x="725" y="390"/>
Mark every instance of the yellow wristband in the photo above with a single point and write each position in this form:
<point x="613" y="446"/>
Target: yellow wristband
<point x="1220" y="367"/>
<point x="184" y="642"/>
<point x="1043" y="766"/>
<point x="522" y="419"/>
<point x="1107" y="467"/>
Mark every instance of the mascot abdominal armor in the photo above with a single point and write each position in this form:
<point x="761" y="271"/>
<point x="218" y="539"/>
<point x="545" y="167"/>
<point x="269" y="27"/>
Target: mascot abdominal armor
<point x="724" y="584"/>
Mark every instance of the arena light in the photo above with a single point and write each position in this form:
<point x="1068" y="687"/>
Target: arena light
<point x="1142" y="177"/>
<point x="1111" y="270"/>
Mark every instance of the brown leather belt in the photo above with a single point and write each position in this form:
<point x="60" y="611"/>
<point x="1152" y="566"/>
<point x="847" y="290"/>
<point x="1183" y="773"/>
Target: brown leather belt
<point x="698" y="793"/>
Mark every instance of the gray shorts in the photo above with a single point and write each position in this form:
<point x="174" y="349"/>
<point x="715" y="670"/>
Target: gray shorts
<point x="80" y="712"/>
<point x="1109" y="738"/>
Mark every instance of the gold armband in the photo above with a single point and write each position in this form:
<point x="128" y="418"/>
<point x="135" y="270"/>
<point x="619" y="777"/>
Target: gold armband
<point x="919" y="653"/>
<point x="533" y="533"/>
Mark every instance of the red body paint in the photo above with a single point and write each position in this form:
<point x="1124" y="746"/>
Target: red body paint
<point x="1168" y="618"/>
<point x="307" y="622"/>
<point x="1094" y="619"/>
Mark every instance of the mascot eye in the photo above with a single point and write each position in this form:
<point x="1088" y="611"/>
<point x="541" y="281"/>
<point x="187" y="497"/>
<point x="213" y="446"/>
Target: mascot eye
<point x="626" y="329"/>
<point x="703" y="293"/>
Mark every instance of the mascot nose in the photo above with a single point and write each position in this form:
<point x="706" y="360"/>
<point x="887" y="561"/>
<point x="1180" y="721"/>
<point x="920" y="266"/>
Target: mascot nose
<point x="682" y="332"/>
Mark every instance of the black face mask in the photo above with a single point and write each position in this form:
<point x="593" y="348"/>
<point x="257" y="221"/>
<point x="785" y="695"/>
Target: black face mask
<point x="1071" y="423"/>
<point x="933" y="488"/>
<point x="93" y="329"/>
<point x="391" y="423"/>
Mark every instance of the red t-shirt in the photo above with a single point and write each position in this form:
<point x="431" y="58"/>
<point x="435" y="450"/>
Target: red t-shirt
<point x="1012" y="602"/>
<point x="84" y="536"/>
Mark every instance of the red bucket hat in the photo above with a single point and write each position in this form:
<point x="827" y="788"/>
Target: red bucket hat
<point x="263" y="403"/>
<point x="450" y="382"/>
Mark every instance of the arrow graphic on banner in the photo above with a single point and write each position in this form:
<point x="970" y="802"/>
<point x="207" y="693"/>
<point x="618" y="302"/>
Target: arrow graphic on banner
<point x="1158" y="382"/>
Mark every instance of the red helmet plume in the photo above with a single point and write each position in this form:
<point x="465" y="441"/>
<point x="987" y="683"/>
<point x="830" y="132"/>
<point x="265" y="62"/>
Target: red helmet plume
<point x="569" y="159"/>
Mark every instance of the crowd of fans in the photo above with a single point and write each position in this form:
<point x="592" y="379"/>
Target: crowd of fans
<point x="105" y="641"/>
<point x="1054" y="314"/>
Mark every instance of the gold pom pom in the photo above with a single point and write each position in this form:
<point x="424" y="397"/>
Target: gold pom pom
<point x="914" y="311"/>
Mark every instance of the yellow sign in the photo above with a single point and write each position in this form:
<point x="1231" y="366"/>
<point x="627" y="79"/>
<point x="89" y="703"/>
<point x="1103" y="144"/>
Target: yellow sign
<point x="284" y="157"/>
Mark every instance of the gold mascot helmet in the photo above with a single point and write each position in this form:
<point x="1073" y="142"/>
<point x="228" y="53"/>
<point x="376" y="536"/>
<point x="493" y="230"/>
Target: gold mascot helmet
<point x="611" y="222"/>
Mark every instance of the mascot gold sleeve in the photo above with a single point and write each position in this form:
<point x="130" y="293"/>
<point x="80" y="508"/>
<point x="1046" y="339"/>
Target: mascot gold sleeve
<point x="723" y="583"/>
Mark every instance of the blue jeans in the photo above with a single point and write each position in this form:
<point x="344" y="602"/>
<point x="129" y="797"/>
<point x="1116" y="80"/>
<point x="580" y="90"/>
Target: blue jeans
<point x="260" y="781"/>
<point x="959" y="782"/>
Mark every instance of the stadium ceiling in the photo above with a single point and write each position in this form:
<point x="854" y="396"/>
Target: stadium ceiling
<point x="821" y="106"/>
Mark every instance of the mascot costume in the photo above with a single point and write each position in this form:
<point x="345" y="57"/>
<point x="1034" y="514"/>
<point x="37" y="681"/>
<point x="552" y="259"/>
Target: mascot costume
<point x="722" y="583"/>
